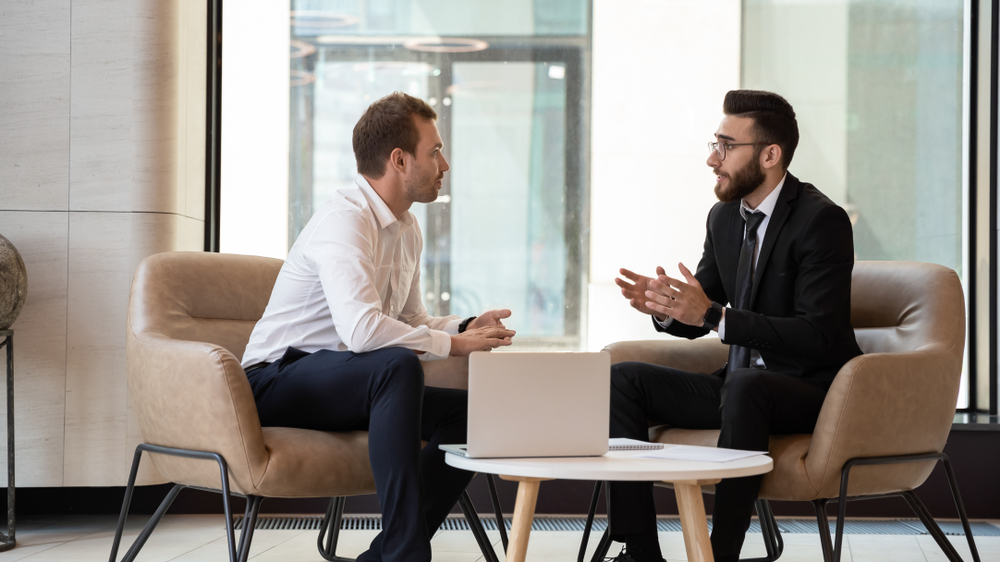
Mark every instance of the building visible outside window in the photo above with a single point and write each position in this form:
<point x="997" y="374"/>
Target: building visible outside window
<point x="878" y="89"/>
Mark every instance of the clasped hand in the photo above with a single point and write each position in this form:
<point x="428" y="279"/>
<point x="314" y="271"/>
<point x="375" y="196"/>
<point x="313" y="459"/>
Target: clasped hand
<point x="665" y="297"/>
<point x="483" y="334"/>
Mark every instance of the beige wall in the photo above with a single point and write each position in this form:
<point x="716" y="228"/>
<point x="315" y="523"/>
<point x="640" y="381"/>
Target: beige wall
<point x="102" y="111"/>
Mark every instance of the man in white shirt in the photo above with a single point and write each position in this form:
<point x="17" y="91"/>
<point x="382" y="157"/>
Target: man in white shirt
<point x="340" y="344"/>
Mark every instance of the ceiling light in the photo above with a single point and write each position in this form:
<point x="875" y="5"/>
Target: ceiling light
<point x="446" y="45"/>
<point x="321" y="19"/>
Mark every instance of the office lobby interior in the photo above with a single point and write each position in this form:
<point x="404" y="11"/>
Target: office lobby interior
<point x="140" y="137"/>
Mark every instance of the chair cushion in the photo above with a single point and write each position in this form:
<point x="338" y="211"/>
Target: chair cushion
<point x="787" y="481"/>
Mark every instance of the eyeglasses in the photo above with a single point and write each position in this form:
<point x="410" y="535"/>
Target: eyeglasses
<point x="722" y="147"/>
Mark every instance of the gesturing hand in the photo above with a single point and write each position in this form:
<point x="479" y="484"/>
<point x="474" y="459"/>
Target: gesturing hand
<point x="684" y="302"/>
<point x="635" y="291"/>
<point x="480" y="339"/>
<point x="489" y="318"/>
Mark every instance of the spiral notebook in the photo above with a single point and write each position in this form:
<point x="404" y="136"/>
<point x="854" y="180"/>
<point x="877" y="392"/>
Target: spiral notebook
<point x="623" y="444"/>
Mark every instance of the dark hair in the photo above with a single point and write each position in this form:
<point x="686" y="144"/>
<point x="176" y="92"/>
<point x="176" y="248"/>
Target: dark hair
<point x="385" y="126"/>
<point x="773" y="118"/>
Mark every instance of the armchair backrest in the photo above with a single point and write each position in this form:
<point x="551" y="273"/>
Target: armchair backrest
<point x="202" y="296"/>
<point x="190" y="315"/>
<point x="899" y="397"/>
<point x="908" y="306"/>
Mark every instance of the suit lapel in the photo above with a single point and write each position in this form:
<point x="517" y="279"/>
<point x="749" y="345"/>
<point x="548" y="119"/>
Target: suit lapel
<point x="789" y="192"/>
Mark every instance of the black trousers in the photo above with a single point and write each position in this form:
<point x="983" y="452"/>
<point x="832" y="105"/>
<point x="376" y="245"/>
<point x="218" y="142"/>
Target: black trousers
<point x="747" y="405"/>
<point x="383" y="392"/>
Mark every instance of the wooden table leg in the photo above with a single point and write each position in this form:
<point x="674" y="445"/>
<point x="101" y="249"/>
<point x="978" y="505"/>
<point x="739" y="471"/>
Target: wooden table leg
<point x="693" y="523"/>
<point x="524" y="514"/>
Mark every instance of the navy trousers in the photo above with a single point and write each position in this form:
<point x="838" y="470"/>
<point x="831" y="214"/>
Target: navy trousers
<point x="748" y="405"/>
<point x="382" y="392"/>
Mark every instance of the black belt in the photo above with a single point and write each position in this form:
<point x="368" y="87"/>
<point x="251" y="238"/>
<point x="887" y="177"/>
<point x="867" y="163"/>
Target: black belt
<point x="255" y="366"/>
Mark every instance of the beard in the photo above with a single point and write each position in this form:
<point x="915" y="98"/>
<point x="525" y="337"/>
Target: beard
<point x="743" y="182"/>
<point x="421" y="189"/>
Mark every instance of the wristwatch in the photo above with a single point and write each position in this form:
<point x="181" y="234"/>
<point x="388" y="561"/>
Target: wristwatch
<point x="465" y="323"/>
<point x="712" y="316"/>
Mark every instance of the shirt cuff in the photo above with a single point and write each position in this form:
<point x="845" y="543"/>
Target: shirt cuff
<point x="663" y="323"/>
<point x="451" y="327"/>
<point x="440" y="345"/>
<point x="722" y="328"/>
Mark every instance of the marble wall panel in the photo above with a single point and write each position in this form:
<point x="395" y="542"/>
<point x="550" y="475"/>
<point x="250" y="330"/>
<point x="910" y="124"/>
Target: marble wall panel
<point x="98" y="281"/>
<point x="34" y="120"/>
<point x="39" y="348"/>
<point x="195" y="39"/>
<point x="155" y="86"/>
<point x="34" y="115"/>
<point x="101" y="106"/>
<point x="36" y="27"/>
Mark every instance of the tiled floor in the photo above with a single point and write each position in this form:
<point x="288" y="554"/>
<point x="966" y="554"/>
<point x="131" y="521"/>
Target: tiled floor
<point x="196" y="538"/>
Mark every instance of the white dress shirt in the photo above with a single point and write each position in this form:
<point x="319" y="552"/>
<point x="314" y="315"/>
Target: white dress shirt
<point x="351" y="282"/>
<point x="767" y="207"/>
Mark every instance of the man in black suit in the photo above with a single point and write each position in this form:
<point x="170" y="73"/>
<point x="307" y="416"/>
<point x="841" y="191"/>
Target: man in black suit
<point x="780" y="254"/>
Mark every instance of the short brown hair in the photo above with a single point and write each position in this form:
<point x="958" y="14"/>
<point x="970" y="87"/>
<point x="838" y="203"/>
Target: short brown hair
<point x="385" y="126"/>
<point x="773" y="118"/>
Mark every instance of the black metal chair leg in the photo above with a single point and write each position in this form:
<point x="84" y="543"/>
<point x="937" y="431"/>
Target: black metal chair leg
<point x="590" y="520"/>
<point x="472" y="517"/>
<point x="769" y="529"/>
<point x="932" y="527"/>
<point x="133" y="551"/>
<point x="129" y="487"/>
<point x="777" y="543"/>
<point x="497" y="512"/>
<point x="140" y="541"/>
<point x="824" y="529"/>
<point x="953" y="483"/>
<point x="602" y="547"/>
<point x="249" y="523"/>
<point x="329" y="531"/>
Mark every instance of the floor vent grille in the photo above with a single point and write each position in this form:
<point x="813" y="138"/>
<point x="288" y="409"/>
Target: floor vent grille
<point x="663" y="524"/>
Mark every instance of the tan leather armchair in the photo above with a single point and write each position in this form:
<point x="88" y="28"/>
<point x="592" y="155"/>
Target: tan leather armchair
<point x="886" y="418"/>
<point x="189" y="319"/>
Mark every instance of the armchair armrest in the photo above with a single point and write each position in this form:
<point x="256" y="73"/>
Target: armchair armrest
<point x="705" y="355"/>
<point x="884" y="404"/>
<point x="195" y="395"/>
<point x="452" y="372"/>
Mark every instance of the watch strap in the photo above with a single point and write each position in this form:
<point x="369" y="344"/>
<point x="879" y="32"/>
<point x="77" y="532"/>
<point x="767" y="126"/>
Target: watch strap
<point x="465" y="324"/>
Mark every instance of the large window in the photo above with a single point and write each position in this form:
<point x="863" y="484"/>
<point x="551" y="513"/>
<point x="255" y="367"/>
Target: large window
<point x="506" y="81"/>
<point x="576" y="131"/>
<point x="878" y="88"/>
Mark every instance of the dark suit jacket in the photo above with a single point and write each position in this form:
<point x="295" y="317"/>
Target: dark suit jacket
<point x="800" y="308"/>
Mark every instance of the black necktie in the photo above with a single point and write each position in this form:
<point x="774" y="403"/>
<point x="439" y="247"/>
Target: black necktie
<point x="739" y="356"/>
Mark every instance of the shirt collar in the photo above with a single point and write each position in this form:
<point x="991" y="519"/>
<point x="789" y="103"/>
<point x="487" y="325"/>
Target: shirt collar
<point x="382" y="212"/>
<point x="767" y="205"/>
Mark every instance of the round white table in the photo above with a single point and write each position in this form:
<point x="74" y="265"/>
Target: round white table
<point x="687" y="478"/>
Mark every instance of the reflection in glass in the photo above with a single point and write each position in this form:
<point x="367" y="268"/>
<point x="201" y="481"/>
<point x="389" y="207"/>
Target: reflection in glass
<point x="506" y="81"/>
<point x="877" y="85"/>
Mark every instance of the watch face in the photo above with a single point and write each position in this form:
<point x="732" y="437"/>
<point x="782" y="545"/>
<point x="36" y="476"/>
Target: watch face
<point x="712" y="316"/>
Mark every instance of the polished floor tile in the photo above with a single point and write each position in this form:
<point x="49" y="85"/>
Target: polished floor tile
<point x="201" y="538"/>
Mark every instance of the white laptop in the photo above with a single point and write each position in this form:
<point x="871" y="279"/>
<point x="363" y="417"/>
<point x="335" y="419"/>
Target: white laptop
<point x="535" y="404"/>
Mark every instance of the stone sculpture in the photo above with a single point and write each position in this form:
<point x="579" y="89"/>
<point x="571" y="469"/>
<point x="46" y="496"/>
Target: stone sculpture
<point x="13" y="283"/>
